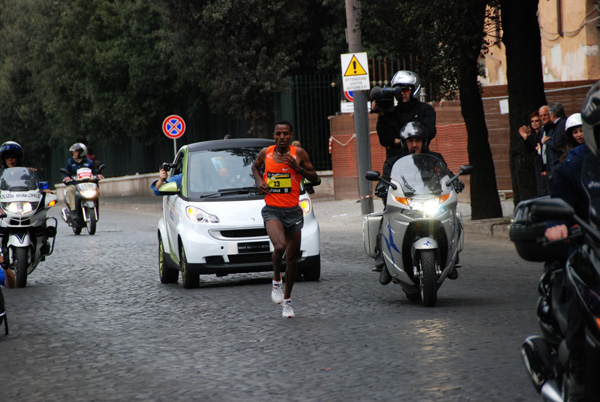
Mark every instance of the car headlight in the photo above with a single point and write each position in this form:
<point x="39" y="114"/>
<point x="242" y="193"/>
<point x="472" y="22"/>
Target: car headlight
<point x="305" y="205"/>
<point x="19" y="207"/>
<point x="197" y="215"/>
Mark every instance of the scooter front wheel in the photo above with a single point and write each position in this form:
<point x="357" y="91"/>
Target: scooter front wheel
<point x="91" y="221"/>
<point x="428" y="278"/>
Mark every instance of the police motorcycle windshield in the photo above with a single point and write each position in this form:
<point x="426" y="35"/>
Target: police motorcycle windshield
<point x="590" y="179"/>
<point x="420" y="174"/>
<point x="18" y="179"/>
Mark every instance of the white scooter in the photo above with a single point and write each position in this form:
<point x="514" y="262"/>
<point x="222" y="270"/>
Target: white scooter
<point x="28" y="234"/>
<point x="421" y="230"/>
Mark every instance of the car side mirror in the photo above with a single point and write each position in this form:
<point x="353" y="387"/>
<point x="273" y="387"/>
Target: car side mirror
<point x="168" y="189"/>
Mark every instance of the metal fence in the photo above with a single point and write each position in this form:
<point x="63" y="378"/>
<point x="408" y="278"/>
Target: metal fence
<point x="311" y="100"/>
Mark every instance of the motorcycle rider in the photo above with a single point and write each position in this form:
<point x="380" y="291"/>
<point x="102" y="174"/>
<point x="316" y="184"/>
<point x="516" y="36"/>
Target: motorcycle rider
<point x="11" y="155"/>
<point x="408" y="109"/>
<point x="414" y="138"/>
<point x="389" y="124"/>
<point x="567" y="185"/>
<point x="78" y="161"/>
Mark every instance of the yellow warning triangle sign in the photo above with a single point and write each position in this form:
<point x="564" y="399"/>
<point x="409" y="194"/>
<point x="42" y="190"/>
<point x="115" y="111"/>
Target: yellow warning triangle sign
<point x="354" y="68"/>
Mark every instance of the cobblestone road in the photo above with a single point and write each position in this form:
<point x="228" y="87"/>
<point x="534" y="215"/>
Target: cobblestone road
<point x="96" y="324"/>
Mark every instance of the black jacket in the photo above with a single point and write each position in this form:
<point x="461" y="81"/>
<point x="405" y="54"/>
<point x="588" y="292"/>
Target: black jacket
<point x="390" y="124"/>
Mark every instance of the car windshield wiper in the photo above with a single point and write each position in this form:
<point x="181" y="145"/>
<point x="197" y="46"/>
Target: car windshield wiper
<point x="228" y="191"/>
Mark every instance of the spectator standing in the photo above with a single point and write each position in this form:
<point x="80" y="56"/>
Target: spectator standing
<point x="555" y="137"/>
<point x="523" y="163"/>
<point x="573" y="134"/>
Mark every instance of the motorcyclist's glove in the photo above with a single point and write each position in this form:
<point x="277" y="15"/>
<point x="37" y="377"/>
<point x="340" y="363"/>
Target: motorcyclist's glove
<point x="459" y="186"/>
<point x="381" y="190"/>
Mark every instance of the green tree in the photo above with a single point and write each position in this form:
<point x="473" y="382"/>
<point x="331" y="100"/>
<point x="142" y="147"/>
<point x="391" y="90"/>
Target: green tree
<point x="239" y="53"/>
<point x="521" y="35"/>
<point x="447" y="57"/>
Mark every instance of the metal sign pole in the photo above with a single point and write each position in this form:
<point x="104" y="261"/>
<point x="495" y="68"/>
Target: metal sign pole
<point x="174" y="148"/>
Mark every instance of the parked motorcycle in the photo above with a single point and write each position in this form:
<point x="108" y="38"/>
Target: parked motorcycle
<point x="547" y="357"/>
<point x="421" y="230"/>
<point x="87" y="201"/>
<point x="28" y="234"/>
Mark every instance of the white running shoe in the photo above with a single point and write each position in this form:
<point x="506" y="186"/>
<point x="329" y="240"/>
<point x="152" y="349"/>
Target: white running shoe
<point x="288" y="311"/>
<point x="277" y="292"/>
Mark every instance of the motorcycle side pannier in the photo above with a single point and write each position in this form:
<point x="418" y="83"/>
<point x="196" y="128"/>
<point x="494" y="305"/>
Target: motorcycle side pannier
<point x="370" y="229"/>
<point x="525" y="234"/>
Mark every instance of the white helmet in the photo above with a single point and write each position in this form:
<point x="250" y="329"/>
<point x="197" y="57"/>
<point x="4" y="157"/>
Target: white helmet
<point x="409" y="79"/>
<point x="573" y="121"/>
<point x="81" y="149"/>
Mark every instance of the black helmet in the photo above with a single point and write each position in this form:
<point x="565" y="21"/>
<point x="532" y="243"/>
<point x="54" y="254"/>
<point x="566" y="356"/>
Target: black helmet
<point x="413" y="129"/>
<point x="81" y="149"/>
<point x="11" y="148"/>
<point x="590" y="116"/>
<point x="409" y="79"/>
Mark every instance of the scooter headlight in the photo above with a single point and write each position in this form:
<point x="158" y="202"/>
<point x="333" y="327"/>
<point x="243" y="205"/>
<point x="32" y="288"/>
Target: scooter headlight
<point x="197" y="215"/>
<point x="88" y="190"/>
<point x="20" y="207"/>
<point x="428" y="207"/>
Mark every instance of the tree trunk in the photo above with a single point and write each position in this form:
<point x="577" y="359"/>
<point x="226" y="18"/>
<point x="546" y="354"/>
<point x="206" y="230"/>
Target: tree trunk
<point x="521" y="35"/>
<point x="485" y="202"/>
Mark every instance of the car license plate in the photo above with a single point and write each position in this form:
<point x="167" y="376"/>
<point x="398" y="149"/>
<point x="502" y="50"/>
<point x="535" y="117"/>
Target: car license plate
<point x="253" y="247"/>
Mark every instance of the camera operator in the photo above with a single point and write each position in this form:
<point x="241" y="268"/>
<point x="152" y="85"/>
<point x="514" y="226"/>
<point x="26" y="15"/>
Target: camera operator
<point x="406" y="88"/>
<point x="162" y="178"/>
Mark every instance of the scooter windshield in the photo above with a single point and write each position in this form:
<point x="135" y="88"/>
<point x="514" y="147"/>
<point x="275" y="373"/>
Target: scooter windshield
<point x="419" y="174"/>
<point x="18" y="179"/>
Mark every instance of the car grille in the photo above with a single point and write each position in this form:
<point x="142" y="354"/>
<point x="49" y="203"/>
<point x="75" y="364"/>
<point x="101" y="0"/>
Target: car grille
<point x="240" y="233"/>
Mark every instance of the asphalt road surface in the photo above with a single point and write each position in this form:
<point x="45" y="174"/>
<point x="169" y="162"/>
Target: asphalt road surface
<point x="96" y="324"/>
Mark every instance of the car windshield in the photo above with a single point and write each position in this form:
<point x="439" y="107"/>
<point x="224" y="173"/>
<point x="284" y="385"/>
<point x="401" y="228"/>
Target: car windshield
<point x="18" y="179"/>
<point x="419" y="174"/>
<point x="221" y="172"/>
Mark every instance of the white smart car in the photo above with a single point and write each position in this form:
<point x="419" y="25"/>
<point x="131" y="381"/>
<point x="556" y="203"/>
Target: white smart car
<point x="212" y="223"/>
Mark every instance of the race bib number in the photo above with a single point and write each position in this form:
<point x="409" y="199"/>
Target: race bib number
<point x="84" y="173"/>
<point x="279" y="183"/>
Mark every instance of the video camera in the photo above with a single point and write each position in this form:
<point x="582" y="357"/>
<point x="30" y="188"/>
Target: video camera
<point x="385" y="98"/>
<point x="166" y="166"/>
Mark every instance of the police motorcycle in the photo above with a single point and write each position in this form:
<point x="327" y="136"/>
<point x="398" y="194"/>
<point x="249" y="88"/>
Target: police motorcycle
<point x="421" y="230"/>
<point x="87" y="202"/>
<point x="28" y="234"/>
<point x="547" y="357"/>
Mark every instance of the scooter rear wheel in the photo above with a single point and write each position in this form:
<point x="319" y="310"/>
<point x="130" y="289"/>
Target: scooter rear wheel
<point x="76" y="229"/>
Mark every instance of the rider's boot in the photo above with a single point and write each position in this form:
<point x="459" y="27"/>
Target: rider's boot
<point x="379" y="263"/>
<point x="384" y="276"/>
<point x="64" y="213"/>
<point x="577" y="376"/>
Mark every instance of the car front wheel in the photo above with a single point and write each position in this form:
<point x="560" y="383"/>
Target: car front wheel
<point x="190" y="280"/>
